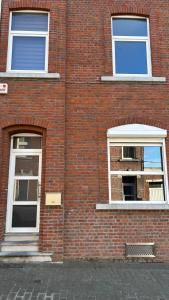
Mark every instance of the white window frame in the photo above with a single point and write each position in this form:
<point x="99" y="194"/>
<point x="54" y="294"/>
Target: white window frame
<point x="132" y="39"/>
<point x="22" y="33"/>
<point x="126" y="158"/>
<point x="137" y="138"/>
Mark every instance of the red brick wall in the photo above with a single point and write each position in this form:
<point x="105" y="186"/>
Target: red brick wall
<point x="93" y="107"/>
<point x="74" y="117"/>
<point x="34" y="104"/>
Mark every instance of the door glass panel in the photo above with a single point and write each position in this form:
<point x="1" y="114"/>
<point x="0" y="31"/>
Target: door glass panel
<point x="27" y="142"/>
<point x="26" y="190"/>
<point x="27" y="165"/>
<point x="24" y="216"/>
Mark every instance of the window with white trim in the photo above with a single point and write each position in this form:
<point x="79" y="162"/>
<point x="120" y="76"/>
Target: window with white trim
<point x="28" y="41"/>
<point x="131" y="46"/>
<point x="144" y="178"/>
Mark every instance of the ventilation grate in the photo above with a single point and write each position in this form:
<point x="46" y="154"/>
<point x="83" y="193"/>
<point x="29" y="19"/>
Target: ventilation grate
<point x="140" y="250"/>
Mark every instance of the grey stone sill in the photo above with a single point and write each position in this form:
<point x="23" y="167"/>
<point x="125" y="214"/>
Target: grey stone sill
<point x="29" y="75"/>
<point x="133" y="206"/>
<point x="133" y="78"/>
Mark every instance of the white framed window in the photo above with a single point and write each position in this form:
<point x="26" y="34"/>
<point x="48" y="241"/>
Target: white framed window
<point x="28" y="41"/>
<point x="128" y="152"/>
<point x="142" y="180"/>
<point x="131" y="46"/>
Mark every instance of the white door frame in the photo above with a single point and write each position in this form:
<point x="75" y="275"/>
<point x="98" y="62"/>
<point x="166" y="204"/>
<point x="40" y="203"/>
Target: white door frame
<point x="13" y="154"/>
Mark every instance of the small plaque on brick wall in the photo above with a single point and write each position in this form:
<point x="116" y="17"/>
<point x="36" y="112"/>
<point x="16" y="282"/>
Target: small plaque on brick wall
<point x="3" y="88"/>
<point x="53" y="199"/>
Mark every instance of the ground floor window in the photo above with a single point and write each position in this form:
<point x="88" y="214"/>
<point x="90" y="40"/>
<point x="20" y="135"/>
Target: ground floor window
<point x="137" y="164"/>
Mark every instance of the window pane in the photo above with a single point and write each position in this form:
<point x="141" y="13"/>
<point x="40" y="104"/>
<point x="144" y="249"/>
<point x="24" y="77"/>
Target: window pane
<point x="27" y="166"/>
<point x="24" y="216"/>
<point x="147" y="158"/>
<point x="30" y="21"/>
<point x="28" y="53"/>
<point x="137" y="188"/>
<point x="131" y="57"/>
<point x="26" y="190"/>
<point x="27" y="142"/>
<point x="129" y="27"/>
<point x="129" y="152"/>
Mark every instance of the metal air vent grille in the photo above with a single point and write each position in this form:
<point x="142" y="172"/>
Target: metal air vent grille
<point x="140" y="250"/>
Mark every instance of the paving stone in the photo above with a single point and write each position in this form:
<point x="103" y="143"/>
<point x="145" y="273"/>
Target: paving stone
<point x="85" y="281"/>
<point x="27" y="296"/>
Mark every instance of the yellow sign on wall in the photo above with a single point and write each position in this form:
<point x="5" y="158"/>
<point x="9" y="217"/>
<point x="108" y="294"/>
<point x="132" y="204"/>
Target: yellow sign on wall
<point x="53" y="199"/>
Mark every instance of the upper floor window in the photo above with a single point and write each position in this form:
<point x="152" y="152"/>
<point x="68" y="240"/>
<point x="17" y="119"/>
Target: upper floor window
<point x="131" y="46"/>
<point x="28" y="41"/>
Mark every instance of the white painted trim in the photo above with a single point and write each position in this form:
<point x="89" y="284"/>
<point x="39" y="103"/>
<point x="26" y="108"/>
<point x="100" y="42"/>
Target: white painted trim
<point x="23" y="33"/>
<point x="145" y="39"/>
<point x="0" y="7"/>
<point x="136" y="131"/>
<point x="134" y="173"/>
<point x="35" y="75"/>
<point x="133" y="78"/>
<point x="133" y="206"/>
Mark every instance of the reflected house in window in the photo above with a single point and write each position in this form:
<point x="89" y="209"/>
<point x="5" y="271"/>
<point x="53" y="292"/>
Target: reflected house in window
<point x="136" y="171"/>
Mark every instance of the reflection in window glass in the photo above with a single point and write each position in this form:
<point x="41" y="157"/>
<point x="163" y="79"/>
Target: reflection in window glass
<point x="146" y="158"/>
<point x="130" y="57"/>
<point x="129" y="152"/>
<point x="129" y="27"/>
<point x="26" y="190"/>
<point x="137" y="188"/>
<point x="152" y="158"/>
<point x="27" y="165"/>
<point x="27" y="142"/>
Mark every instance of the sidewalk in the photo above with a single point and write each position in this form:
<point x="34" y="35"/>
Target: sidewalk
<point x="85" y="281"/>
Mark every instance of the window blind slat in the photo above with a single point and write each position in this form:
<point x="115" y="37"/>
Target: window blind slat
<point x="30" y="21"/>
<point x="28" y="53"/>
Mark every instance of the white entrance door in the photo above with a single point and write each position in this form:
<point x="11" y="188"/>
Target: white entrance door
<point x="23" y="207"/>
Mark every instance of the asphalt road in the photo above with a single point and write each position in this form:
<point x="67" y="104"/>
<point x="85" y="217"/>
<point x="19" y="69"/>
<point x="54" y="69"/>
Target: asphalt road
<point x="85" y="281"/>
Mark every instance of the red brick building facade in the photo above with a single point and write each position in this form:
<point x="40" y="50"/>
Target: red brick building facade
<point x="71" y="106"/>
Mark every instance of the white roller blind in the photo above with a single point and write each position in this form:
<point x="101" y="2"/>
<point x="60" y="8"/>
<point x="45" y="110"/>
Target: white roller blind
<point x="29" y="22"/>
<point x="28" y="53"/>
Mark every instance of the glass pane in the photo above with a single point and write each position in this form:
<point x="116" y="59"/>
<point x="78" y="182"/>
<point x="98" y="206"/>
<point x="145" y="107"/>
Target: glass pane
<point x="27" y="165"/>
<point x="29" y="21"/>
<point x="131" y="58"/>
<point x="28" y="53"/>
<point x="146" y="158"/>
<point x="26" y="190"/>
<point x="137" y="188"/>
<point x="129" y="152"/>
<point x="24" y="216"/>
<point x="27" y="142"/>
<point x="129" y="27"/>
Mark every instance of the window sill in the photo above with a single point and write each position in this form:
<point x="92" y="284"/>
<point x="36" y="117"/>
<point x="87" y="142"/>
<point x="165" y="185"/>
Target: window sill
<point x="30" y="75"/>
<point x="129" y="159"/>
<point x="133" y="206"/>
<point x="133" y="78"/>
